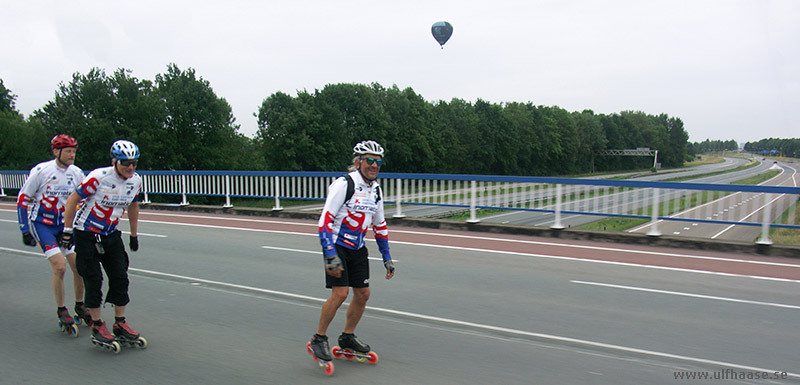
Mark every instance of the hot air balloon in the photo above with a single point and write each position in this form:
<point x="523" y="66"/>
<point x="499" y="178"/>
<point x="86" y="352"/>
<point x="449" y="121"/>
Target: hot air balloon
<point x="441" y="31"/>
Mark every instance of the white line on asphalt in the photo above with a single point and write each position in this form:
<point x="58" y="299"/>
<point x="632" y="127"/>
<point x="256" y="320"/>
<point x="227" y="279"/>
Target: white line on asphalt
<point x="312" y="252"/>
<point x="754" y="212"/>
<point x="145" y="234"/>
<point x="558" y="257"/>
<point x="600" y="248"/>
<point x="287" y="249"/>
<point x="477" y="326"/>
<point x="587" y="247"/>
<point x="678" y="293"/>
<point x="491" y="328"/>
<point x="22" y="251"/>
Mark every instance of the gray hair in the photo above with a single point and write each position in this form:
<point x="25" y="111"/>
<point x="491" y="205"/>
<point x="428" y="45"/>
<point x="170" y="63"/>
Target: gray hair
<point x="352" y="166"/>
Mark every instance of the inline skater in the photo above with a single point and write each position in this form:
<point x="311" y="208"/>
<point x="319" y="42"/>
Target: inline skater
<point x="350" y="209"/>
<point x="107" y="193"/>
<point x="40" y="213"/>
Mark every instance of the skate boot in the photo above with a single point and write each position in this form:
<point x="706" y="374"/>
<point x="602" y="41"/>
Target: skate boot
<point x="319" y="349"/>
<point x="126" y="335"/>
<point x="352" y="348"/>
<point x="66" y="323"/>
<point x="102" y="338"/>
<point x="82" y="315"/>
<point x="350" y="341"/>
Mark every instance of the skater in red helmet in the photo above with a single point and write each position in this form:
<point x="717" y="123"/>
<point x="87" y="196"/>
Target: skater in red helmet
<point x="40" y="213"/>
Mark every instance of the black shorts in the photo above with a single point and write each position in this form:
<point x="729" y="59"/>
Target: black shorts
<point x="356" y="268"/>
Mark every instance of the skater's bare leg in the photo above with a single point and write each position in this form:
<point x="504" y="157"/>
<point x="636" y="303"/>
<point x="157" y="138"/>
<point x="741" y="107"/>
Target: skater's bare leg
<point x="77" y="280"/>
<point x="59" y="266"/>
<point x="119" y="311"/>
<point x="95" y="312"/>
<point x="356" y="308"/>
<point x="329" y="308"/>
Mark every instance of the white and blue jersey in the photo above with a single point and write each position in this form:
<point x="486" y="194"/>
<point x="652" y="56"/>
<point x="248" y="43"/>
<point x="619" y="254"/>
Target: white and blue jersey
<point x="346" y="223"/>
<point x="43" y="195"/>
<point x="105" y="196"/>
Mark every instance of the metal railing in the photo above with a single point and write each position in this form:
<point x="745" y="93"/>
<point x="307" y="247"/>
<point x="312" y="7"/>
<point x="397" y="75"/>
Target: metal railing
<point x="441" y="194"/>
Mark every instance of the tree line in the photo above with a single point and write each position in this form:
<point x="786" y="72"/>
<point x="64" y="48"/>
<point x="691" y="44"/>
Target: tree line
<point x="775" y="147"/>
<point x="708" y="146"/>
<point x="180" y="123"/>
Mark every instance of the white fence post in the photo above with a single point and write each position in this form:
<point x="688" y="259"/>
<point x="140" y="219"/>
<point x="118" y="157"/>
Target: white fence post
<point x="398" y="188"/>
<point x="277" y="188"/>
<point x="557" y="225"/>
<point x="184" y="202"/>
<point x="473" y="202"/>
<point x="654" y="228"/>
<point x="145" y="185"/>
<point x="227" y="192"/>
<point x="764" y="240"/>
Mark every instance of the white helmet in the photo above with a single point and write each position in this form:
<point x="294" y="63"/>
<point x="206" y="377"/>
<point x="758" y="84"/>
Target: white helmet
<point x="124" y="150"/>
<point x="368" y="147"/>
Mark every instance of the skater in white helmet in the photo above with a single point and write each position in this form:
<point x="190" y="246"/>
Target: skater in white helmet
<point x="107" y="193"/>
<point x="353" y="205"/>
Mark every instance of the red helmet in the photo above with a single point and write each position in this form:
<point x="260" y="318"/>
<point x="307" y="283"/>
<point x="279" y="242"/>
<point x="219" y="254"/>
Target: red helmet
<point x="61" y="141"/>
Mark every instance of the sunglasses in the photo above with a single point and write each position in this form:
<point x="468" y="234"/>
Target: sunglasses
<point x="128" y="162"/>
<point x="370" y="161"/>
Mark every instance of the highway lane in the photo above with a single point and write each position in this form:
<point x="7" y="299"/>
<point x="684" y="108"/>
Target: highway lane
<point x="735" y="207"/>
<point x="233" y="300"/>
<point x="627" y="200"/>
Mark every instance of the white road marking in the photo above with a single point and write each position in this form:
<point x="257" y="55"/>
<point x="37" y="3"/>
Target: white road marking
<point x="587" y="247"/>
<point x="678" y="293"/>
<point x="477" y="326"/>
<point x="313" y="252"/>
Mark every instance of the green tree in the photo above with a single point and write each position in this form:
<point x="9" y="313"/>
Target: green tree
<point x="410" y="137"/>
<point x="199" y="127"/>
<point x="22" y="144"/>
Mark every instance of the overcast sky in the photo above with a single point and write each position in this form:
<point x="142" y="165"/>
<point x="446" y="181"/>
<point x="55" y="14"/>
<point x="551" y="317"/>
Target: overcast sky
<point x="729" y="69"/>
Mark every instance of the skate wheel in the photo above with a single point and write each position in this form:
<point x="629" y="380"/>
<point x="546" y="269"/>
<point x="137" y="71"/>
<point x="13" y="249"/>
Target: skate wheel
<point x="142" y="343"/>
<point x="337" y="352"/>
<point x="73" y="330"/>
<point x="348" y="354"/>
<point x="115" y="347"/>
<point x="77" y="319"/>
<point x="361" y="359"/>
<point x="308" y="349"/>
<point x="329" y="368"/>
<point x="373" y="358"/>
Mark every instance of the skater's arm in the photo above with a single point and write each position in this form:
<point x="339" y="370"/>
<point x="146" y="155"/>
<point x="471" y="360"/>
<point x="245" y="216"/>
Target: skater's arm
<point x="24" y="200"/>
<point x="334" y="203"/>
<point x="69" y="210"/>
<point x="133" y="218"/>
<point x="133" y="223"/>
<point x="382" y="239"/>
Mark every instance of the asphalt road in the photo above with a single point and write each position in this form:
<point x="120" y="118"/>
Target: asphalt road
<point x="234" y="300"/>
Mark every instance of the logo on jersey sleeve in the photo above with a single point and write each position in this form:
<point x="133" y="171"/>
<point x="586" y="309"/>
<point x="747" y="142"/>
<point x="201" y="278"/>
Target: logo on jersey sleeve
<point x="89" y="187"/>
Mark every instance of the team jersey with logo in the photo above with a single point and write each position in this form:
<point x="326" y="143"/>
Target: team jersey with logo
<point x="43" y="195"/>
<point x="106" y="195"/>
<point x="346" y="223"/>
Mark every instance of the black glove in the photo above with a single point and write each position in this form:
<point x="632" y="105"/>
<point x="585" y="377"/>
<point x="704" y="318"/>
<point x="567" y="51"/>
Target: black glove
<point x="65" y="239"/>
<point x="389" y="265"/>
<point x="333" y="263"/>
<point x="134" y="243"/>
<point x="27" y="239"/>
